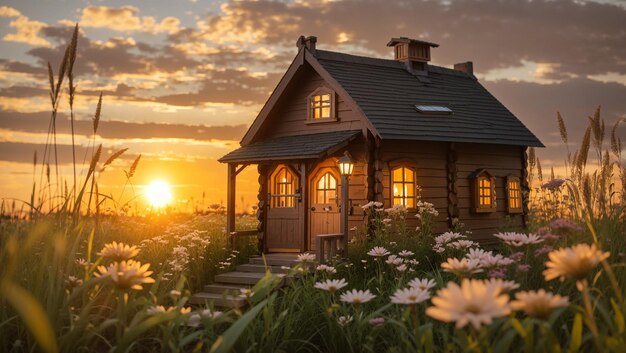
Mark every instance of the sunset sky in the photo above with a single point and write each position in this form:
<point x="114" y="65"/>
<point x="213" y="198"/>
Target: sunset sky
<point x="182" y="80"/>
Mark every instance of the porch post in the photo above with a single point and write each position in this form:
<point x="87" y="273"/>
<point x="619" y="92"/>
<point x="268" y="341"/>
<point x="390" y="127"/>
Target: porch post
<point x="230" y="201"/>
<point x="343" y="223"/>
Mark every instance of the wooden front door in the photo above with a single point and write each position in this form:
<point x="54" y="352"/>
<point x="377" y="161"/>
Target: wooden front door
<point x="285" y="212"/>
<point x="324" y="212"/>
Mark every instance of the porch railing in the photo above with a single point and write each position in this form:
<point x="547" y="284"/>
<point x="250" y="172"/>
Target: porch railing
<point x="326" y="246"/>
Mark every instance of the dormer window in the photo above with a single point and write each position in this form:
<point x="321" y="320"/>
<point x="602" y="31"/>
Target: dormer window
<point x="321" y="105"/>
<point x="484" y="185"/>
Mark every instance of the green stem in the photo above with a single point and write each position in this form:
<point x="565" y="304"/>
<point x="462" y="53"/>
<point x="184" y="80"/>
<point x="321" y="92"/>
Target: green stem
<point x="120" y="317"/>
<point x="416" y="326"/>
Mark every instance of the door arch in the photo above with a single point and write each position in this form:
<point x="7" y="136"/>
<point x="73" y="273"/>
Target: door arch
<point x="324" y="210"/>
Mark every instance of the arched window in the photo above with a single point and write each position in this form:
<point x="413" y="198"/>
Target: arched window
<point x="514" y="194"/>
<point x="283" y="188"/>
<point x="484" y="191"/>
<point x="326" y="189"/>
<point x="321" y="105"/>
<point x="403" y="186"/>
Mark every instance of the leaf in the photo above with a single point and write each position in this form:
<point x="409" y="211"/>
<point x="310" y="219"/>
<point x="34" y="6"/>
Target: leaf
<point x="133" y="332"/>
<point x="225" y="342"/>
<point x="619" y="316"/>
<point x="33" y="315"/>
<point x="577" y="334"/>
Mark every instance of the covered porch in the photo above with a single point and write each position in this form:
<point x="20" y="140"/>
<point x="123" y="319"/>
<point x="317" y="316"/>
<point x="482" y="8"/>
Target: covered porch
<point x="284" y="211"/>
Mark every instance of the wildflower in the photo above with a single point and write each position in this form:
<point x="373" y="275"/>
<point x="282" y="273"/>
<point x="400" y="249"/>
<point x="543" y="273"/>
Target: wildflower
<point x="538" y="304"/>
<point x="505" y="286"/>
<point x="207" y="313"/>
<point x="392" y="243"/>
<point x="574" y="262"/>
<point x="462" y="244"/>
<point x="378" y="251"/>
<point x="344" y="320"/>
<point x="394" y="260"/>
<point x="376" y="321"/>
<point x="126" y="274"/>
<point x="73" y="281"/>
<point x="326" y="268"/>
<point x="175" y="294"/>
<point x="565" y="225"/>
<point x="497" y="273"/>
<point x="331" y="285"/>
<point x="305" y="258"/>
<point x="402" y="268"/>
<point x="475" y="302"/>
<point x="461" y="268"/>
<point x="405" y="253"/>
<point x="409" y="296"/>
<point x="523" y="268"/>
<point x="413" y="262"/>
<point x="246" y="293"/>
<point x="155" y="309"/>
<point x="357" y="296"/>
<point x="422" y="283"/>
<point x="82" y="262"/>
<point x="518" y="239"/>
<point x="516" y="256"/>
<point x="542" y="251"/>
<point x="118" y="251"/>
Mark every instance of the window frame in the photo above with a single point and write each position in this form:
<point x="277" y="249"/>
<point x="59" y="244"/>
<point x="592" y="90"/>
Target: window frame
<point x="326" y="188"/>
<point x="310" y="119"/>
<point x="477" y="177"/>
<point x="413" y="185"/>
<point x="520" y="199"/>
<point x="290" y="198"/>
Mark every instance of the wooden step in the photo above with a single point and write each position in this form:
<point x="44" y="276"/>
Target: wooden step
<point x="260" y="268"/>
<point x="219" y="288"/>
<point x="274" y="261"/>
<point x="249" y="278"/>
<point x="217" y="300"/>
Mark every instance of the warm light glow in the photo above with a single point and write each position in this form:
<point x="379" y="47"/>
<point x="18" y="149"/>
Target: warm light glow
<point x="158" y="193"/>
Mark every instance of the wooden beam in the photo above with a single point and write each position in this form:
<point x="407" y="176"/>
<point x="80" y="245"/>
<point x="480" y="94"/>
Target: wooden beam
<point x="304" y="192"/>
<point x="230" y="200"/>
<point x="241" y="169"/>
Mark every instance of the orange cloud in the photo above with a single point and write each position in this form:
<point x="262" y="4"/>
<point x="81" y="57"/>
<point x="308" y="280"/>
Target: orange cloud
<point x="27" y="30"/>
<point x="126" y="18"/>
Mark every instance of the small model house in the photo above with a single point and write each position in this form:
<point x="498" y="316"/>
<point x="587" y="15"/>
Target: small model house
<point x="404" y="123"/>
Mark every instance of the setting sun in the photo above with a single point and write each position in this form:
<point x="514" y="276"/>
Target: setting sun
<point x="158" y="193"/>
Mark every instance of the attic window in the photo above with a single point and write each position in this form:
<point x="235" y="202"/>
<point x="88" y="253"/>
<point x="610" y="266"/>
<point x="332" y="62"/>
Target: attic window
<point x="433" y="109"/>
<point x="321" y="105"/>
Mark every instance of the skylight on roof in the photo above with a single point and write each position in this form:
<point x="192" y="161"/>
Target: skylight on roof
<point x="433" y="109"/>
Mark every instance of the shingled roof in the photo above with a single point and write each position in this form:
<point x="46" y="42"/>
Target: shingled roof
<point x="292" y="147"/>
<point x="387" y="94"/>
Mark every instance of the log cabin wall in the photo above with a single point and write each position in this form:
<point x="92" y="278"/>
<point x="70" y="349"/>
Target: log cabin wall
<point x="429" y="162"/>
<point x="359" y="185"/>
<point x="289" y="117"/>
<point x="500" y="161"/>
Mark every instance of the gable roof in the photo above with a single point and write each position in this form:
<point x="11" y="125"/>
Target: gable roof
<point x="310" y="146"/>
<point x="387" y="94"/>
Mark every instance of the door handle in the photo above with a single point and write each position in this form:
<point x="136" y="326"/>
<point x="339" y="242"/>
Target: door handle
<point x="313" y="208"/>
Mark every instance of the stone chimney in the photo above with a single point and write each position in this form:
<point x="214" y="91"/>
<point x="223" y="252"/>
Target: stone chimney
<point x="415" y="54"/>
<point x="307" y="42"/>
<point x="467" y="67"/>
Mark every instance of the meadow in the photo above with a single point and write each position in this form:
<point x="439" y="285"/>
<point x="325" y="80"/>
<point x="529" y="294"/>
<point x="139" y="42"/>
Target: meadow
<point x="80" y="273"/>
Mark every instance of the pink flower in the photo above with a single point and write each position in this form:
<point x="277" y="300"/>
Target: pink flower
<point x="516" y="256"/>
<point x="542" y="251"/>
<point x="497" y="273"/>
<point x="523" y="268"/>
<point x="550" y="236"/>
<point x="377" y="321"/>
<point x="565" y="225"/>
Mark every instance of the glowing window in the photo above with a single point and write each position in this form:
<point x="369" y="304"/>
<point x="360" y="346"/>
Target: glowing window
<point x="403" y="184"/>
<point x="514" y="194"/>
<point x="326" y="189"/>
<point x="484" y="191"/>
<point x="283" y="184"/>
<point x="321" y="105"/>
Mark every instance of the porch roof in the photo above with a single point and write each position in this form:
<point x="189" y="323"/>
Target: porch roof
<point x="308" y="146"/>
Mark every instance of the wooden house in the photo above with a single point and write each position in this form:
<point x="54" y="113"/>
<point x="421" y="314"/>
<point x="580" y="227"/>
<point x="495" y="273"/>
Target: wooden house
<point x="404" y="122"/>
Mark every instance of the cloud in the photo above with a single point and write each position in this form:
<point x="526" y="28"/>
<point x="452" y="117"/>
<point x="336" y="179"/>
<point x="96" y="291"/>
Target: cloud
<point x="126" y="19"/>
<point x="111" y="129"/>
<point x="584" y="38"/>
<point x="27" y="30"/>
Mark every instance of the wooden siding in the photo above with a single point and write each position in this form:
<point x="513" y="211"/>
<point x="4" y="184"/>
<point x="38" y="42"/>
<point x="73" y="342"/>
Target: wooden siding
<point x="429" y="160"/>
<point x="289" y="117"/>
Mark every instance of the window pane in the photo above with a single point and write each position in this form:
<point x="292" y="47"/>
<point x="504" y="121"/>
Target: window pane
<point x="326" y="97"/>
<point x="397" y="201"/>
<point x="326" y="112"/>
<point x="331" y="196"/>
<point x="397" y="189"/>
<point x="316" y="113"/>
<point x="397" y="174"/>
<point x="409" y="190"/>
<point x="408" y="174"/>
<point x="410" y="202"/>
<point x="333" y="182"/>
<point x="320" y="196"/>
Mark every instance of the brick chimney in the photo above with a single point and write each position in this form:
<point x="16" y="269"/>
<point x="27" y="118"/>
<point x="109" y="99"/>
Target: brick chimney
<point x="467" y="67"/>
<point x="307" y="42"/>
<point x="412" y="52"/>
